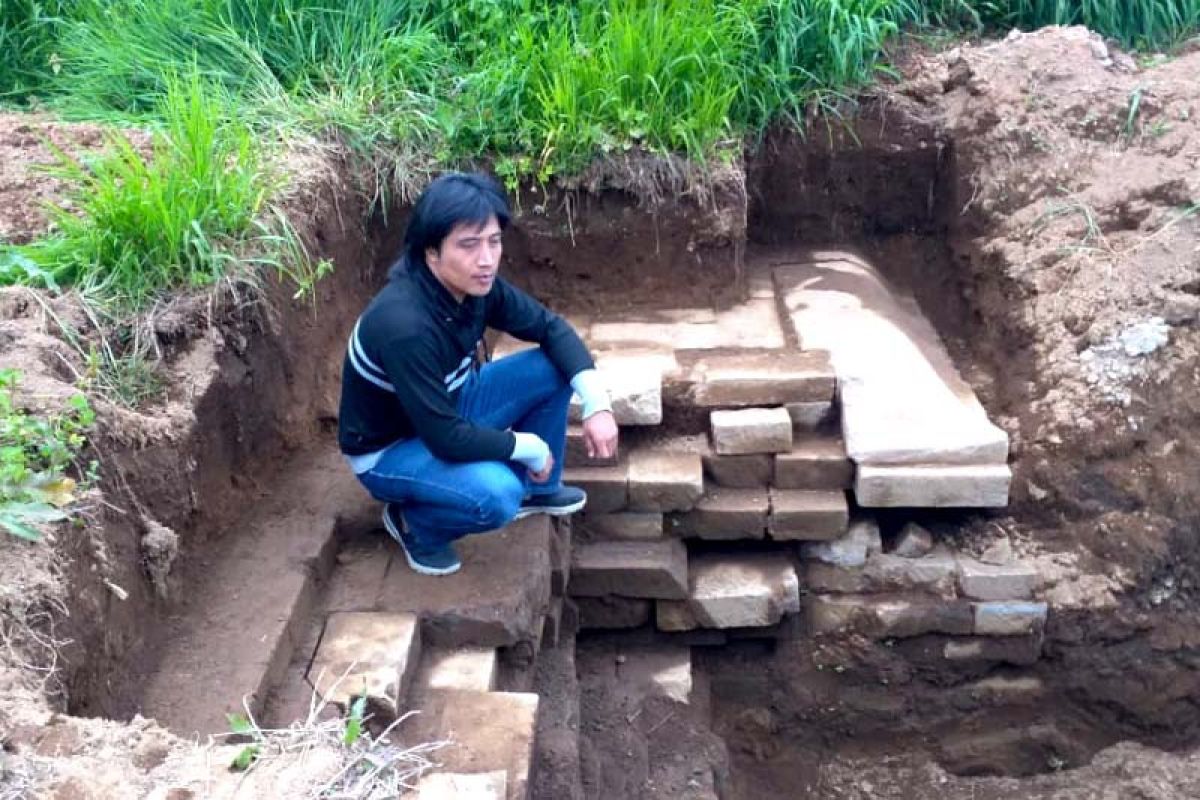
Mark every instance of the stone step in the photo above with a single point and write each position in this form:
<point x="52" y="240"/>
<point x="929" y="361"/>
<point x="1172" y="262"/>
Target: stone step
<point x="932" y="486"/>
<point x="724" y="514"/>
<point x="485" y="732"/>
<point x="752" y="377"/>
<point x="814" y="463"/>
<point x="367" y="653"/>
<point x="662" y="480"/>
<point x="232" y="642"/>
<point x="808" y="516"/>
<point x="462" y="668"/>
<point x="498" y="599"/>
<point x="649" y="570"/>
<point x="634" y="382"/>
<point x="751" y="430"/>
<point x="752" y="323"/>
<point x="935" y="573"/>
<point x="742" y="590"/>
<point x="619" y="526"/>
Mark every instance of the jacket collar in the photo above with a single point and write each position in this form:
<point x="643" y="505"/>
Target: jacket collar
<point x="439" y="295"/>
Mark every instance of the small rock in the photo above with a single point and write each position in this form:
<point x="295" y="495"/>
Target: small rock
<point x="913" y="541"/>
<point x="999" y="553"/>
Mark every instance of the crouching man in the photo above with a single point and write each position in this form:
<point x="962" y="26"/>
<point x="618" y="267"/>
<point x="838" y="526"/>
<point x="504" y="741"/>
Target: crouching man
<point x="450" y="447"/>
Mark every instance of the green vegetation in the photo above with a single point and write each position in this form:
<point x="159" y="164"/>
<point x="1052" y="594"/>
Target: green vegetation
<point x="37" y="455"/>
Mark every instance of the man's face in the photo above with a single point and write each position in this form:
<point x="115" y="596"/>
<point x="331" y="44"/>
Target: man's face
<point x="467" y="262"/>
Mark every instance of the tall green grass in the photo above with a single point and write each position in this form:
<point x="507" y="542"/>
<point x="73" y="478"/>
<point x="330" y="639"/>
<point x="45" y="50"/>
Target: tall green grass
<point x="180" y="217"/>
<point x="1135" y="23"/>
<point x="29" y="32"/>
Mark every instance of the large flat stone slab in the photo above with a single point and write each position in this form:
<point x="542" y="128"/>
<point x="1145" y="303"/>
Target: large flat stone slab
<point x="734" y="591"/>
<point x="651" y="570"/>
<point x="903" y="401"/>
<point x="486" y="731"/>
<point x="757" y="378"/>
<point x="371" y="653"/>
<point x="662" y="480"/>
<point x="808" y="516"/>
<point x="752" y="323"/>
<point x="959" y="486"/>
<point x="498" y="598"/>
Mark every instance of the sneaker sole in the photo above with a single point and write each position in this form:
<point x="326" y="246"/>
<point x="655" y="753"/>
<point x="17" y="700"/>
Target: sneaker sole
<point x="415" y="565"/>
<point x="552" y="511"/>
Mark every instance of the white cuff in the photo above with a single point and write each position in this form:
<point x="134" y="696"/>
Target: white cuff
<point x="589" y="385"/>
<point x="530" y="450"/>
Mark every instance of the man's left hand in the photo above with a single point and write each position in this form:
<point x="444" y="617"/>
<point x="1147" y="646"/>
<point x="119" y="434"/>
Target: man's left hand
<point x="600" y="435"/>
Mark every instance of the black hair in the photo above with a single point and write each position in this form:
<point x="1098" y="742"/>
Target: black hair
<point x="452" y="199"/>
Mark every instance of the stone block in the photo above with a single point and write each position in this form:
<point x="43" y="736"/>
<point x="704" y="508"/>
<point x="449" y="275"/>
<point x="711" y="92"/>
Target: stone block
<point x="813" y="415"/>
<point x="457" y="786"/>
<point x="979" y="581"/>
<point x="808" y="516"/>
<point x="1009" y="618"/>
<point x="1019" y="650"/>
<point x="751" y="430"/>
<point x="576" y="451"/>
<point x="655" y="570"/>
<point x="634" y="387"/>
<point x="751" y="471"/>
<point x="886" y="618"/>
<point x="725" y="514"/>
<point x="814" y="464"/>
<point x="734" y="591"/>
<point x="664" y="480"/>
<point x="620" y="526"/>
<point x="612" y="613"/>
<point x="934" y="574"/>
<point x="468" y="668"/>
<point x="607" y="487"/>
<point x="849" y="550"/>
<point x="970" y="486"/>
<point x="365" y="652"/>
<point x="758" y="378"/>
<point x="913" y="541"/>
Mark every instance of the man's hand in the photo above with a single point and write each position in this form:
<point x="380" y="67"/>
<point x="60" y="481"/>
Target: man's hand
<point x="542" y="475"/>
<point x="600" y="435"/>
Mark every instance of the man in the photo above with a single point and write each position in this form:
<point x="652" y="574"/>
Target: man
<point x="449" y="447"/>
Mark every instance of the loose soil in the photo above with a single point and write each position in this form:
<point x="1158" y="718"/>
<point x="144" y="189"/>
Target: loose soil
<point x="1036" y="194"/>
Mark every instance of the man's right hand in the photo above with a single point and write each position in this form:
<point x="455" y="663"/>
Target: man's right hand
<point x="543" y="475"/>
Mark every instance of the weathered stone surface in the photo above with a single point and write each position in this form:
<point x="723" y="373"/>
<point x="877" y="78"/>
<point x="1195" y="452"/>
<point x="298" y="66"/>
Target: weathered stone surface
<point x="1021" y="650"/>
<point x="980" y="581"/>
<point x="751" y="471"/>
<point x="903" y="401"/>
<point x="758" y="378"/>
<point x="365" y="652"/>
<point x="457" y="786"/>
<point x="491" y="731"/>
<point x="469" y="668"/>
<point x="607" y="487"/>
<point x="888" y="617"/>
<point x="621" y="526"/>
<point x="664" y="480"/>
<point x="497" y="599"/>
<point x="933" y="574"/>
<point x="1009" y="618"/>
<point x="630" y="569"/>
<point x="634" y="387"/>
<point x="850" y="550"/>
<point x="913" y="541"/>
<point x="725" y="514"/>
<point x="813" y="415"/>
<point x="609" y="613"/>
<point x="734" y="591"/>
<point x="751" y="430"/>
<point x="808" y="516"/>
<point x="964" y="486"/>
<point x="814" y="464"/>
<point x="576" y="451"/>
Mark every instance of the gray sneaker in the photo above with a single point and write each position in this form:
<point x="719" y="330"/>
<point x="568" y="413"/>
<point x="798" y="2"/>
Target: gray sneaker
<point x="436" y="560"/>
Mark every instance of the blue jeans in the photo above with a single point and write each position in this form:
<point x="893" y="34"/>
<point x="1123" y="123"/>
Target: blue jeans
<point x="446" y="500"/>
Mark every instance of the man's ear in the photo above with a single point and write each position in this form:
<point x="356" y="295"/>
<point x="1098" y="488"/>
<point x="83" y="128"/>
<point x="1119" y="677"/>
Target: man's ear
<point x="432" y="255"/>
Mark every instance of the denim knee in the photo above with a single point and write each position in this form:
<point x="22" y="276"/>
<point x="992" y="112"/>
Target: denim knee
<point x="501" y="502"/>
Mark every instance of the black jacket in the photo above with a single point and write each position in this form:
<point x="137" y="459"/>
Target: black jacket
<point x="414" y="347"/>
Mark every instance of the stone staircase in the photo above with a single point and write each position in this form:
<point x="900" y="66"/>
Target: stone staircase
<point x="755" y="442"/>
